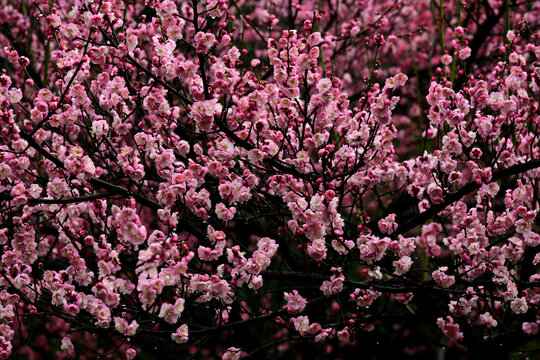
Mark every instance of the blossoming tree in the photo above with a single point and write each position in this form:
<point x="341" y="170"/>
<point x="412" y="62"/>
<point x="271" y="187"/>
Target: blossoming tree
<point x="268" y="179"/>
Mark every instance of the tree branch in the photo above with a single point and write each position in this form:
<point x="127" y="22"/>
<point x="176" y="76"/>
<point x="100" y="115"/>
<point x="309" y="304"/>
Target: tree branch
<point x="450" y="198"/>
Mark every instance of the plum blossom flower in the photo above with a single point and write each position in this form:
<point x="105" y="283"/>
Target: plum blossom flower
<point x="301" y="324"/>
<point x="167" y="313"/>
<point x="442" y="279"/>
<point x="203" y="113"/>
<point x="130" y="354"/>
<point x="180" y="336"/>
<point x="232" y="353"/>
<point x="519" y="305"/>
<point x="388" y="225"/>
<point x="487" y="320"/>
<point x="449" y="328"/>
<point x="530" y="328"/>
<point x="67" y="345"/>
<point x="295" y="302"/>
<point x="204" y="42"/>
<point x="403" y="265"/>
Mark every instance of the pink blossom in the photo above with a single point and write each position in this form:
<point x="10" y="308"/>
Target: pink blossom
<point x="450" y="329"/>
<point x="388" y="225"/>
<point x="403" y="265"/>
<point x="204" y="41"/>
<point x="530" y="328"/>
<point x="301" y="324"/>
<point x="67" y="346"/>
<point x="232" y="353"/>
<point x="180" y="336"/>
<point x="295" y="302"/>
<point x="519" y="305"/>
<point x="442" y="279"/>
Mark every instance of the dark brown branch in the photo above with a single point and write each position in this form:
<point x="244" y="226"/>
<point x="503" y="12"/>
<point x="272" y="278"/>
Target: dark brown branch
<point x="450" y="198"/>
<point x="116" y="189"/>
<point x="482" y="33"/>
<point x="5" y="30"/>
<point x="42" y="150"/>
<point x="71" y="200"/>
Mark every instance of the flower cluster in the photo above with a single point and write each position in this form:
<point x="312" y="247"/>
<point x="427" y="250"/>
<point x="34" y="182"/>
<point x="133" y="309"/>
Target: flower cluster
<point x="220" y="178"/>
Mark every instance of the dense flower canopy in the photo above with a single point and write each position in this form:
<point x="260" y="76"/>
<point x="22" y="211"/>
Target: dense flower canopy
<point x="269" y="178"/>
